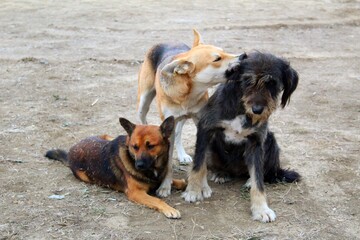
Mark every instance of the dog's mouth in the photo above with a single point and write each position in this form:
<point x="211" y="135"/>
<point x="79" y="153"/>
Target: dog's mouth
<point x="143" y="164"/>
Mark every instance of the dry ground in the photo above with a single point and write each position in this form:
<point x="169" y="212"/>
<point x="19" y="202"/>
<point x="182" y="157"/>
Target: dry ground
<point x="57" y="58"/>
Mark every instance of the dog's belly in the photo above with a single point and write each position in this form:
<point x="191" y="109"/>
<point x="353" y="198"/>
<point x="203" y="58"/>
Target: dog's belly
<point x="227" y="157"/>
<point x="180" y="112"/>
<point x="234" y="132"/>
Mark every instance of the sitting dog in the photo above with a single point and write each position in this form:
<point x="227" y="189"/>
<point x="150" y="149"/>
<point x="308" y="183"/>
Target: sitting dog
<point x="180" y="76"/>
<point x="233" y="138"/>
<point x="135" y="164"/>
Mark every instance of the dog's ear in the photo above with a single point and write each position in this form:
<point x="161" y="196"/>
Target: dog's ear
<point x="243" y="56"/>
<point x="290" y="81"/>
<point x="197" y="38"/>
<point x="167" y="127"/>
<point x="127" y="125"/>
<point x="179" y="66"/>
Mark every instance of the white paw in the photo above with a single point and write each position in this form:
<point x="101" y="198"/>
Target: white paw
<point x="194" y="195"/>
<point x="206" y="191"/>
<point x="263" y="214"/>
<point x="220" y="178"/>
<point x="184" y="159"/>
<point x="164" y="190"/>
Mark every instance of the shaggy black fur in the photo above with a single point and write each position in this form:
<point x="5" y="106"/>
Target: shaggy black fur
<point x="248" y="98"/>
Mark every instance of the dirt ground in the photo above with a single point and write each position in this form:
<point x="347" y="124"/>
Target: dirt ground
<point x="68" y="70"/>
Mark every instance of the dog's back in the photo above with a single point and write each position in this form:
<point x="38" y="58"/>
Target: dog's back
<point x="162" y="52"/>
<point x="159" y="54"/>
<point x="90" y="160"/>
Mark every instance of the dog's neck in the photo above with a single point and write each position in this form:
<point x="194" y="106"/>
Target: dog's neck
<point x="153" y="176"/>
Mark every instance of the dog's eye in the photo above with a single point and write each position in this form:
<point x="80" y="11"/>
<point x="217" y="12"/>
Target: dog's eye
<point x="136" y="147"/>
<point x="149" y="146"/>
<point x="271" y="83"/>
<point x="218" y="58"/>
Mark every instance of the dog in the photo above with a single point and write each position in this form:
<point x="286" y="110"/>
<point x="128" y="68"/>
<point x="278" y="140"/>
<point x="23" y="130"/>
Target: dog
<point x="135" y="164"/>
<point x="179" y="77"/>
<point x="233" y="137"/>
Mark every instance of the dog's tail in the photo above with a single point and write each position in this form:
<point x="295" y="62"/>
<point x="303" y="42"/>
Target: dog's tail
<point x="286" y="175"/>
<point x="273" y="172"/>
<point x="58" y="155"/>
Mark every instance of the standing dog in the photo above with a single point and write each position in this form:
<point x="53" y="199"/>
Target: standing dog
<point x="233" y="136"/>
<point x="135" y="164"/>
<point x="180" y="76"/>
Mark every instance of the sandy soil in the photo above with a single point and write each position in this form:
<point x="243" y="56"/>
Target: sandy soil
<point x="69" y="68"/>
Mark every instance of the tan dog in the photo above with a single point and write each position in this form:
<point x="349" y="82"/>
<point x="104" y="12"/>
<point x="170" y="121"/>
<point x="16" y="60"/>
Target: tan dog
<point x="180" y="76"/>
<point x="135" y="164"/>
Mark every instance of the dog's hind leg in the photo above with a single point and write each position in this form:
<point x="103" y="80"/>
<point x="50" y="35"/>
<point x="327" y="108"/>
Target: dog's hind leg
<point x="146" y="89"/>
<point x="81" y="175"/>
<point x="273" y="172"/>
<point x="183" y="157"/>
<point x="221" y="177"/>
<point x="145" y="100"/>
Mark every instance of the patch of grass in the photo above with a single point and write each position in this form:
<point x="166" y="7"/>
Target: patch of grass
<point x="244" y="193"/>
<point x="29" y="59"/>
<point x="57" y="97"/>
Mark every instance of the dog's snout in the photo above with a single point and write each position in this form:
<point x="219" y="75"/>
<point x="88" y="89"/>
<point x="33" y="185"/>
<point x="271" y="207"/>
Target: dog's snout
<point x="257" y="109"/>
<point x="140" y="164"/>
<point x="144" y="162"/>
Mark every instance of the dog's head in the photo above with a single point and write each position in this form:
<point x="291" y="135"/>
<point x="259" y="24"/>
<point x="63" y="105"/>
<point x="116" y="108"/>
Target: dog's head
<point x="203" y="64"/>
<point x="148" y="144"/>
<point x="263" y="77"/>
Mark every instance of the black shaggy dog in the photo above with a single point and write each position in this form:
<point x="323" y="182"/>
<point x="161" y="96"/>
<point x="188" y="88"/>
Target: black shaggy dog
<point x="233" y="138"/>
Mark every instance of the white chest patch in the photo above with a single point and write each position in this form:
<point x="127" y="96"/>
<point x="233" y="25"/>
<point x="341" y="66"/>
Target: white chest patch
<point x="234" y="131"/>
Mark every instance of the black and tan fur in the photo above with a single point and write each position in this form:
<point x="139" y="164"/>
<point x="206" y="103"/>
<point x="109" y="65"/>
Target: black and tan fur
<point x="233" y="137"/>
<point x="135" y="164"/>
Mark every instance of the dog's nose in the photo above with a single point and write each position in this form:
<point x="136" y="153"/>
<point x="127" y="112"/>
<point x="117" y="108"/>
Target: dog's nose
<point x="257" y="109"/>
<point x="140" y="165"/>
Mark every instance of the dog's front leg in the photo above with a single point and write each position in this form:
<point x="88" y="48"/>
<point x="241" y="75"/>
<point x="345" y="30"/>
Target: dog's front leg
<point x="254" y="155"/>
<point x="140" y="196"/>
<point x="198" y="187"/>
<point x="183" y="157"/>
<point x="165" y="188"/>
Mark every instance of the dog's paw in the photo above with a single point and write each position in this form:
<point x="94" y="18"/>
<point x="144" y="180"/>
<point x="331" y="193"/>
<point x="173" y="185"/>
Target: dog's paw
<point x="263" y="214"/>
<point x="171" y="213"/>
<point x="194" y="195"/>
<point x="206" y="191"/>
<point x="164" y="190"/>
<point x="247" y="184"/>
<point x="220" y="178"/>
<point x="185" y="159"/>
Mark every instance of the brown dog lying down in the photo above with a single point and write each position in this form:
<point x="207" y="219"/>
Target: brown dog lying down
<point x="135" y="164"/>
